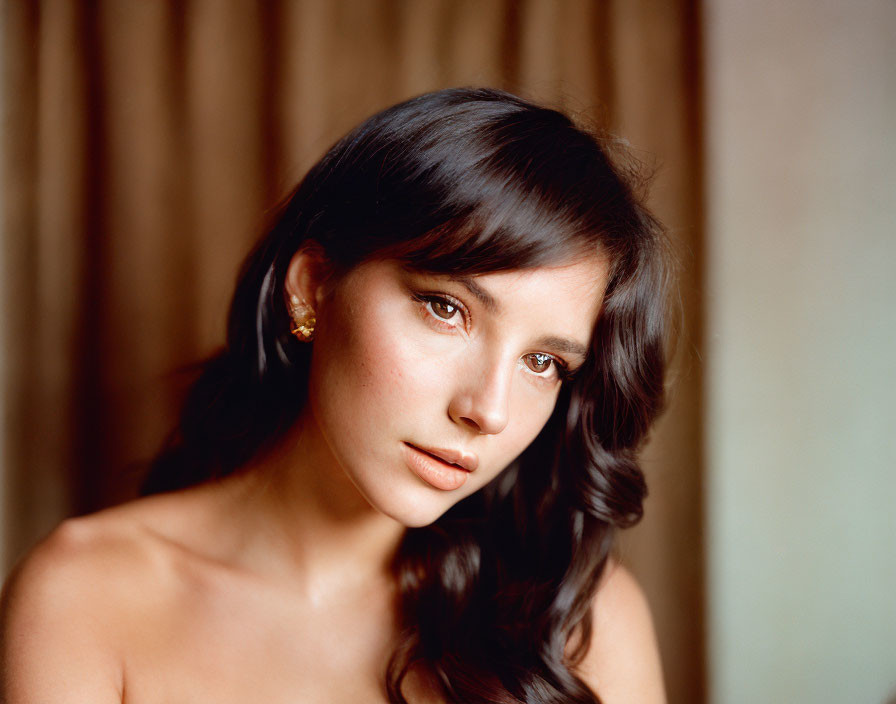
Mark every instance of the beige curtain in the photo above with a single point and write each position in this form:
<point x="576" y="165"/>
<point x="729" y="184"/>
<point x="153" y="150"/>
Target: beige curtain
<point x="144" y="142"/>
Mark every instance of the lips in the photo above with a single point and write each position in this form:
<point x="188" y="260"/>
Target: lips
<point x="444" y="469"/>
<point x="467" y="461"/>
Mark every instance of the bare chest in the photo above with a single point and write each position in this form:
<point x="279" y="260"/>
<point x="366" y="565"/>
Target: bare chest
<point x="238" y="647"/>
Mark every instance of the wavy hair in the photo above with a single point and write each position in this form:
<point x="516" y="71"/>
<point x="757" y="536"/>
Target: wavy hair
<point x="468" y="181"/>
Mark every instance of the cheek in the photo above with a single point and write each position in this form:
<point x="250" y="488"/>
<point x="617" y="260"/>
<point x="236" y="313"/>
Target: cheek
<point x="386" y="367"/>
<point x="368" y="369"/>
<point x="533" y="411"/>
<point x="529" y="410"/>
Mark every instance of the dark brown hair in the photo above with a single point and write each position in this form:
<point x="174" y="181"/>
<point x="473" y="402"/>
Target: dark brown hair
<point x="468" y="181"/>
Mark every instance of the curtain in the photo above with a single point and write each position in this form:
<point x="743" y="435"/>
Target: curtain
<point x="145" y="142"/>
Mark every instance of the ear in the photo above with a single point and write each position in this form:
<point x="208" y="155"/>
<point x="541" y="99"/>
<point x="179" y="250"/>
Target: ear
<point x="307" y="275"/>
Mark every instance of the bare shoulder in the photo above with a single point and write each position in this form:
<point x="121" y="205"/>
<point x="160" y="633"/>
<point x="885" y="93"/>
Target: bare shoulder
<point x="65" y="606"/>
<point x="622" y="663"/>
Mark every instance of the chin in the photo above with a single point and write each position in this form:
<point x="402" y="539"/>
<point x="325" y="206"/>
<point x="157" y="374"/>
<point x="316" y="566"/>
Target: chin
<point x="415" y="509"/>
<point x="414" y="516"/>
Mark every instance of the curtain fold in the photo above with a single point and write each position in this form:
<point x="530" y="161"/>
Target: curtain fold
<point x="145" y="143"/>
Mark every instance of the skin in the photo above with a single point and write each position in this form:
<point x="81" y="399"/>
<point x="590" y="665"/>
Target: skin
<point x="273" y="585"/>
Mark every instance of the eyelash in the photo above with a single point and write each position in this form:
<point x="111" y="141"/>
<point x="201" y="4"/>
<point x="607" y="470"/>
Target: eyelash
<point x="426" y="300"/>
<point x="561" y="369"/>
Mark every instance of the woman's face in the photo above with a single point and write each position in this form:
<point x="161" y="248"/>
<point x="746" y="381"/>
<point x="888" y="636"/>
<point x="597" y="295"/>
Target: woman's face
<point x="413" y="373"/>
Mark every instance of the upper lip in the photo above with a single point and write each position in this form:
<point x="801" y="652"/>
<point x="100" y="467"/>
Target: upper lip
<point x="464" y="460"/>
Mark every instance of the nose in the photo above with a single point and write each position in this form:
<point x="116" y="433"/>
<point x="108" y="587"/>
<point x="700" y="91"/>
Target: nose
<point x="482" y="401"/>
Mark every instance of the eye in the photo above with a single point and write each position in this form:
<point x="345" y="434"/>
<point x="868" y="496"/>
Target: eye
<point x="441" y="308"/>
<point x="540" y="362"/>
<point x="443" y="311"/>
<point x="548" y="367"/>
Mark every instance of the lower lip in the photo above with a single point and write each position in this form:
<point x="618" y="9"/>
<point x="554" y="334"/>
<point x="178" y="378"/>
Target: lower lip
<point x="434" y="472"/>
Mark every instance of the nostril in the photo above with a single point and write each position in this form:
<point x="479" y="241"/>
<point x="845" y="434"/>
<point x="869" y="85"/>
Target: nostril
<point x="472" y="423"/>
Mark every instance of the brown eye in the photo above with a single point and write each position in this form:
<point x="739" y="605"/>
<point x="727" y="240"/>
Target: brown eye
<point x="442" y="309"/>
<point x="538" y="362"/>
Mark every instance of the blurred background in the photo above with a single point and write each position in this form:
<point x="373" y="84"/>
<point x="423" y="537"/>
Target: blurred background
<point x="145" y="142"/>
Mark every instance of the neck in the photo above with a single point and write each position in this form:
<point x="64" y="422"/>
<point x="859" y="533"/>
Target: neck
<point x="302" y="517"/>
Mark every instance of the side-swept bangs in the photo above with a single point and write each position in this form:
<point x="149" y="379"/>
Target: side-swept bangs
<point x="447" y="182"/>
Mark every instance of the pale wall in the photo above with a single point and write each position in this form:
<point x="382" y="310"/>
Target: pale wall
<point x="801" y="350"/>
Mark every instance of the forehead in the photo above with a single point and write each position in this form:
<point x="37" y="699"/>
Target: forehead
<point x="577" y="285"/>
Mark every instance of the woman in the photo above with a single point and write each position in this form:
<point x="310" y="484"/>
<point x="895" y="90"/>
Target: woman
<point x="401" y="478"/>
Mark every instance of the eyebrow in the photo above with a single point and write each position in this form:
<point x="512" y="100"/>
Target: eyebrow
<point x="481" y="294"/>
<point x="561" y="344"/>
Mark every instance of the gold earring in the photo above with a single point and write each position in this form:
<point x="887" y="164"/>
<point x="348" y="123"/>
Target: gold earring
<point x="303" y="319"/>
